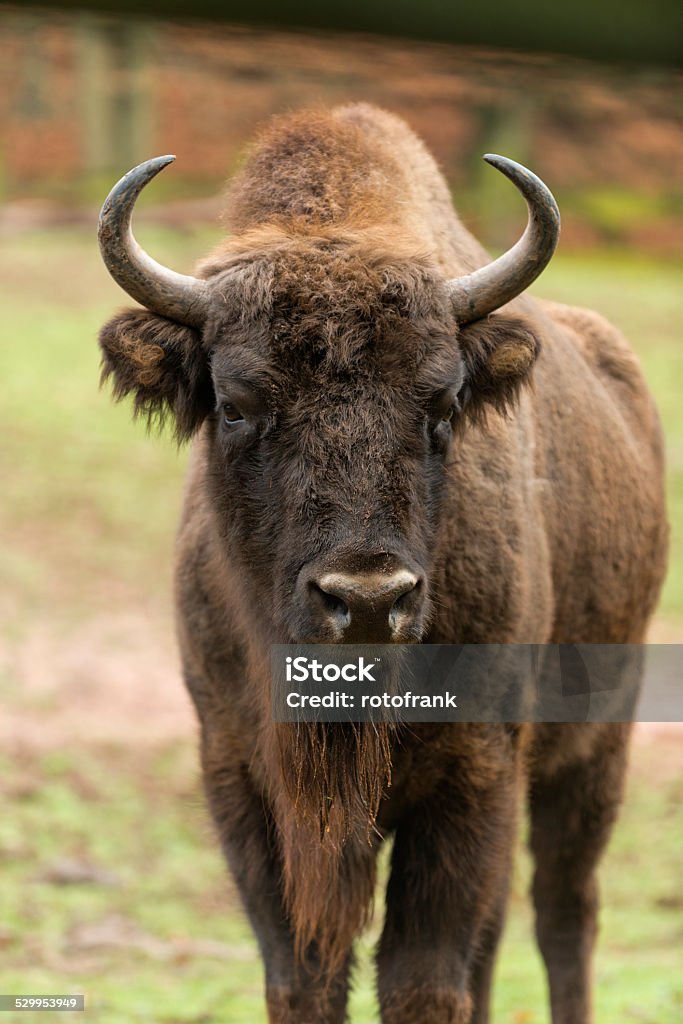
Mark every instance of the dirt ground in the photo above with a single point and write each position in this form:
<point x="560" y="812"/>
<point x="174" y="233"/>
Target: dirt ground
<point x="112" y="678"/>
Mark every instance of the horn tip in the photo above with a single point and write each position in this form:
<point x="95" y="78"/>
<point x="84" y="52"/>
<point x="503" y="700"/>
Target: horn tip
<point x="496" y="160"/>
<point x="153" y="166"/>
<point x="163" y="161"/>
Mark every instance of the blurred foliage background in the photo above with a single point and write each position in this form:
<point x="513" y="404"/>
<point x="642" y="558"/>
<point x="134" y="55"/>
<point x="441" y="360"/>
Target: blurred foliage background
<point x="84" y="97"/>
<point x="622" y="30"/>
<point x="110" y="880"/>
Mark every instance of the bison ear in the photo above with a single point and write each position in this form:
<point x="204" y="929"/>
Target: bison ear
<point x="162" y="364"/>
<point x="499" y="353"/>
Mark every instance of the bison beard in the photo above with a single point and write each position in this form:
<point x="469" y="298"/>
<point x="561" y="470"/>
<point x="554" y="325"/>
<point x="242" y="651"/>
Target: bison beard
<point x="328" y="783"/>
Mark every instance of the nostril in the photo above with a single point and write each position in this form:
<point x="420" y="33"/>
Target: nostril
<point x="406" y="599"/>
<point x="332" y="603"/>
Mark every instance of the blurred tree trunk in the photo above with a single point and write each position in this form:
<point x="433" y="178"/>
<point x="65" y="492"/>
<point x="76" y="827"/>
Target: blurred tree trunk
<point x="116" y="92"/>
<point x="507" y="129"/>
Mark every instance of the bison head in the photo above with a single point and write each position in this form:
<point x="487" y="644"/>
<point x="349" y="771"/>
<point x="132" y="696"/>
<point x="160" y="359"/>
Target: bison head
<point x="333" y="371"/>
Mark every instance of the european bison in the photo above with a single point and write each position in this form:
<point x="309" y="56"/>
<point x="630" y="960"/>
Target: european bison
<point x="390" y="445"/>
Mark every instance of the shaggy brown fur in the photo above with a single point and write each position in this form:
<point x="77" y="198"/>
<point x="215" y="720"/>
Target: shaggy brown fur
<point x="534" y="514"/>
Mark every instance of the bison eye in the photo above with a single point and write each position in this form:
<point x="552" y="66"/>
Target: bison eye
<point x="231" y="414"/>
<point x="443" y="407"/>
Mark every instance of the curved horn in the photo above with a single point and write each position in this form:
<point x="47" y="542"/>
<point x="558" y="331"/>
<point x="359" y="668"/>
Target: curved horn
<point x="485" y="290"/>
<point x="181" y="298"/>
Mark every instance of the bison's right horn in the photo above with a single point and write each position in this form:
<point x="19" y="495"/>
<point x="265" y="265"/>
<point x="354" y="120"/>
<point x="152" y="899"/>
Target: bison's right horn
<point x="180" y="298"/>
<point x="485" y="290"/>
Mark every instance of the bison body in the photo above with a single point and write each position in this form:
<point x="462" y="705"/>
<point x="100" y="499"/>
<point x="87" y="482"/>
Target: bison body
<point x="359" y="445"/>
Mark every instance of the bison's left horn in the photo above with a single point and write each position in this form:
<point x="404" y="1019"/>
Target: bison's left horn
<point x="180" y="298"/>
<point x="485" y="290"/>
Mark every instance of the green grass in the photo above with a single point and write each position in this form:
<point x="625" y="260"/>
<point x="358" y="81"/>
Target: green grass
<point x="86" y="492"/>
<point x="142" y="819"/>
<point x="87" y="520"/>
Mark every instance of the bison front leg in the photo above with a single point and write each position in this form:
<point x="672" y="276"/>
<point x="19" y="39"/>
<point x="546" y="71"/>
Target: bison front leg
<point x="445" y="899"/>
<point x="574" y="799"/>
<point x="295" y="993"/>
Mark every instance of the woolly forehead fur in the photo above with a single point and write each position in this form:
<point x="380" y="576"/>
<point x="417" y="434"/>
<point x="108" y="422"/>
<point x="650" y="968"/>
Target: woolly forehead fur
<point x="332" y="299"/>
